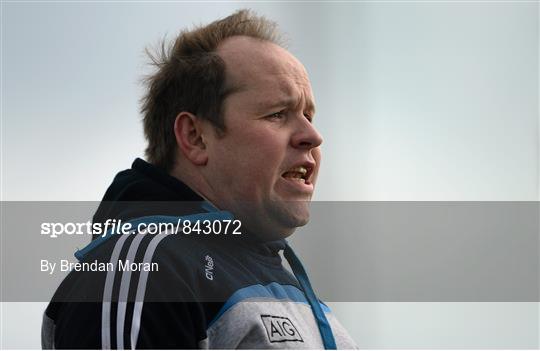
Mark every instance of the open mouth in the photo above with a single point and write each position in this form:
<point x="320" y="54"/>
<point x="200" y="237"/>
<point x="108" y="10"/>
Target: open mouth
<point x="299" y="174"/>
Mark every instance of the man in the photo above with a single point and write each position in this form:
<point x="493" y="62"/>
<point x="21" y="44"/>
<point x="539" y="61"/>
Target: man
<point x="229" y="122"/>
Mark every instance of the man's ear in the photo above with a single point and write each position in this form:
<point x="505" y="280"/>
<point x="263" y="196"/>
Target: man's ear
<point x="188" y="130"/>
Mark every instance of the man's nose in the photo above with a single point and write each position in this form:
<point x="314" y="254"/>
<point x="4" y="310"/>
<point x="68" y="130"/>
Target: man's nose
<point x="306" y="135"/>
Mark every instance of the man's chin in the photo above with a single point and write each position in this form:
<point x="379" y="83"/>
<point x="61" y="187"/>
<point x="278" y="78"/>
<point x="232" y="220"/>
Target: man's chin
<point x="275" y="219"/>
<point x="290" y="214"/>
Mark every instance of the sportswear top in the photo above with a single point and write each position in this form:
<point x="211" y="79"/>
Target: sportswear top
<point x="178" y="290"/>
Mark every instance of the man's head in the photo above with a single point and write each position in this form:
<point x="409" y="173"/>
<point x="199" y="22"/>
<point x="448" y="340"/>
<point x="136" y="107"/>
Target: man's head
<point x="190" y="76"/>
<point x="256" y="152"/>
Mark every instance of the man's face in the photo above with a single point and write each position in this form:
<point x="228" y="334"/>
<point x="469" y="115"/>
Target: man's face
<point x="265" y="166"/>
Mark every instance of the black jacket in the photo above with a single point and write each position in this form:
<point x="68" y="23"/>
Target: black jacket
<point x="177" y="290"/>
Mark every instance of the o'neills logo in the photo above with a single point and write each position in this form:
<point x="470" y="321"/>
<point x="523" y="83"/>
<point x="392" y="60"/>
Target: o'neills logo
<point x="280" y="329"/>
<point x="209" y="267"/>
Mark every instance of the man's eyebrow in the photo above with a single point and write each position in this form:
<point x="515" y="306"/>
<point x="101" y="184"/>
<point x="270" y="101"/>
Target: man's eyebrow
<point x="288" y="101"/>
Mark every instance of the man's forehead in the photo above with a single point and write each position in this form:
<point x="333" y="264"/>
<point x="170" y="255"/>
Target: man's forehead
<point x="252" y="62"/>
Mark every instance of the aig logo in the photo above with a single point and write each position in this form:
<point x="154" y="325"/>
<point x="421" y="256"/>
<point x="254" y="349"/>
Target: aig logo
<point x="280" y="329"/>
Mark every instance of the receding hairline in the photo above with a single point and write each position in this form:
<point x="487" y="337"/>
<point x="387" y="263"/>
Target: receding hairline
<point x="222" y="52"/>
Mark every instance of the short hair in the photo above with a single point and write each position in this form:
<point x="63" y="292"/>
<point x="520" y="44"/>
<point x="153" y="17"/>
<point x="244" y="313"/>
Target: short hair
<point x="190" y="76"/>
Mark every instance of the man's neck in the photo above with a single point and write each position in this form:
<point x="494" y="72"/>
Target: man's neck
<point x="188" y="179"/>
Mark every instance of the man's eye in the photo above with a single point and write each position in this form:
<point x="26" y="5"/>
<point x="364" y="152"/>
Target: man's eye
<point x="277" y="115"/>
<point x="308" y="117"/>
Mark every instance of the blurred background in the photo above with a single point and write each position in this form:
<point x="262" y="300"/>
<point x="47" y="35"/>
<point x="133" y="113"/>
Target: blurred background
<point x="417" y="101"/>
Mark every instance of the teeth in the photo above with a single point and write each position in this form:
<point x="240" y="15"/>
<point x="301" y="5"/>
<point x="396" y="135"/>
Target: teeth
<point x="300" y="169"/>
<point x="298" y="174"/>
